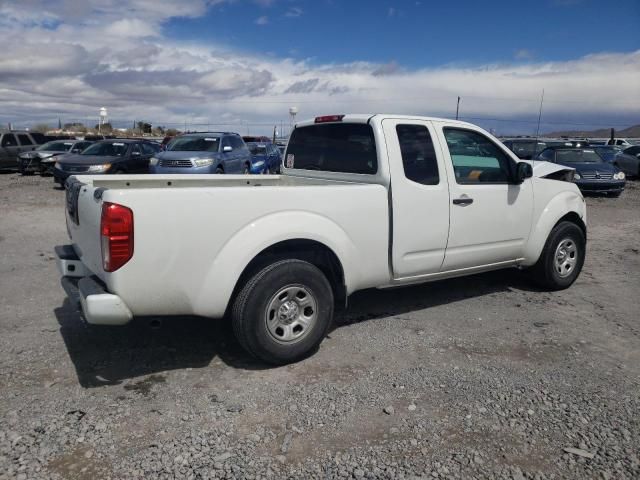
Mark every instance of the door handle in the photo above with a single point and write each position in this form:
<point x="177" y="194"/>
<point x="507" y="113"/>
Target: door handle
<point x="463" y="201"/>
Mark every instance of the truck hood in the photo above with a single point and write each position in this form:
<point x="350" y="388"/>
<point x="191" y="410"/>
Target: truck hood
<point x="543" y="169"/>
<point x="176" y="155"/>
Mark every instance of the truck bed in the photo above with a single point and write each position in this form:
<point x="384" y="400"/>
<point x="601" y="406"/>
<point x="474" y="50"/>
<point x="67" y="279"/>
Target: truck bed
<point x="194" y="235"/>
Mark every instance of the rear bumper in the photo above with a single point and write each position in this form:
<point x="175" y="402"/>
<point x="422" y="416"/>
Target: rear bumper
<point x="99" y="306"/>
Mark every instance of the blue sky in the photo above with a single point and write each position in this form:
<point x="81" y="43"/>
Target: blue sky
<point x="419" y="33"/>
<point x="240" y="64"/>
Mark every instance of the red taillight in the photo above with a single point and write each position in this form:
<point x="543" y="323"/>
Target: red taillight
<point x="329" y="118"/>
<point x="116" y="234"/>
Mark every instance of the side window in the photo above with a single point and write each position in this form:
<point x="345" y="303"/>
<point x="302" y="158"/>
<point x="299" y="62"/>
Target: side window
<point x="237" y="143"/>
<point x="148" y="149"/>
<point x="418" y="154"/>
<point x="136" y="149"/>
<point x="24" y="139"/>
<point x="547" y="155"/>
<point x="475" y="158"/>
<point x="9" y="140"/>
<point x="226" y="142"/>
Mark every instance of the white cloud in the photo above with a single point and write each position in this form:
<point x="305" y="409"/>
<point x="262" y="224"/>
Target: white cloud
<point x="263" y="20"/>
<point x="294" y="12"/>
<point x="52" y="67"/>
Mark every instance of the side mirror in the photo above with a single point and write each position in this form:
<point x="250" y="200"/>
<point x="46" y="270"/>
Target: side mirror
<point x="227" y="149"/>
<point x="523" y="171"/>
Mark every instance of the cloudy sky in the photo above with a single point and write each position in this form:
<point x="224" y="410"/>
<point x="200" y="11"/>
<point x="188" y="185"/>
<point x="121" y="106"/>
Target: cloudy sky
<point x="240" y="64"/>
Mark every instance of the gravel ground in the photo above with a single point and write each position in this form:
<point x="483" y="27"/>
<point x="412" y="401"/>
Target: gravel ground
<point x="483" y="377"/>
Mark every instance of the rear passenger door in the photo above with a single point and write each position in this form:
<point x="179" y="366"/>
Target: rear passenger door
<point x="420" y="198"/>
<point x="25" y="142"/>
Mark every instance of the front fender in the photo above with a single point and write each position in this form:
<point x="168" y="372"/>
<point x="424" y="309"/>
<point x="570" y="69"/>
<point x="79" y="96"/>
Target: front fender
<point x="217" y="288"/>
<point x="547" y="215"/>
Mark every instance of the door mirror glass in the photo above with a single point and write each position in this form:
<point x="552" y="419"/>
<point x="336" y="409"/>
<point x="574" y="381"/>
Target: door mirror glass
<point x="523" y="171"/>
<point x="227" y="148"/>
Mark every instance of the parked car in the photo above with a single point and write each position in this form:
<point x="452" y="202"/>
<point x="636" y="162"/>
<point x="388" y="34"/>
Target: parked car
<point x="107" y="156"/>
<point x="525" y="148"/>
<point x="278" y="252"/>
<point x="633" y="150"/>
<point x="253" y="139"/>
<point x="265" y="158"/>
<point x="616" y="155"/>
<point x="12" y="144"/>
<point x="212" y="152"/>
<point x="619" y="141"/>
<point x="43" y="158"/>
<point x="593" y="174"/>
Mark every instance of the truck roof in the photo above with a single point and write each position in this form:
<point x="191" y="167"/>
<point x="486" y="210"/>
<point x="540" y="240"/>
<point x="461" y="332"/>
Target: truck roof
<point x="366" y="117"/>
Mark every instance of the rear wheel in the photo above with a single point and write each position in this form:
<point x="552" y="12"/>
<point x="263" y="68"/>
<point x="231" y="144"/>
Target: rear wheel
<point x="246" y="170"/>
<point x="562" y="257"/>
<point x="283" y="312"/>
<point x="219" y="171"/>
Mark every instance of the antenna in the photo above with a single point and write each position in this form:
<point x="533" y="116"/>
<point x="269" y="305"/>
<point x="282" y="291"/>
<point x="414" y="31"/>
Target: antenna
<point x="535" y="147"/>
<point x="458" y="108"/>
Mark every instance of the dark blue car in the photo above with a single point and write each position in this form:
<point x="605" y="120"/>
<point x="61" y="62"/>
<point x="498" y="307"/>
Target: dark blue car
<point x="593" y="174"/>
<point x="265" y="158"/>
<point x="210" y="152"/>
<point x="107" y="157"/>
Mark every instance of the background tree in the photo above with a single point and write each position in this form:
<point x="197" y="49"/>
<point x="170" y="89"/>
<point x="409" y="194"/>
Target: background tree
<point x="105" y="128"/>
<point x="40" y="128"/>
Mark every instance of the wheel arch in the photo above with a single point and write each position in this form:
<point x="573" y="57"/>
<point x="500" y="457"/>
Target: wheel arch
<point x="316" y="239"/>
<point x="566" y="206"/>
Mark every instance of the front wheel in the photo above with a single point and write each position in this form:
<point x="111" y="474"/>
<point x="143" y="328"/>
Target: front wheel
<point x="562" y="257"/>
<point x="283" y="312"/>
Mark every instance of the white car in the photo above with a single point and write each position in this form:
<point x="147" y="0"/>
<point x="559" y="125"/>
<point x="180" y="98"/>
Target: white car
<point x="364" y="201"/>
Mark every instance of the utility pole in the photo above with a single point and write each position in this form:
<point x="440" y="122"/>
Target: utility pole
<point x="458" y="108"/>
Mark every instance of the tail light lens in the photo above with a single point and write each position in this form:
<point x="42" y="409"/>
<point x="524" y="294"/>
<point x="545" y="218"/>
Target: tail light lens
<point x="116" y="234"/>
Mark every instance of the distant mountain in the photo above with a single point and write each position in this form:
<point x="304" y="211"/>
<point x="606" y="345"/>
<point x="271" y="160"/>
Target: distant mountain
<point x="631" y="132"/>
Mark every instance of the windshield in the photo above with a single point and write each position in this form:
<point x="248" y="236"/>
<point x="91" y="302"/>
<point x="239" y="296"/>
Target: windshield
<point x="527" y="149"/>
<point x="55" y="146"/>
<point x="577" y="156"/>
<point x="257" y="149"/>
<point x="106" y="149"/>
<point x="194" y="144"/>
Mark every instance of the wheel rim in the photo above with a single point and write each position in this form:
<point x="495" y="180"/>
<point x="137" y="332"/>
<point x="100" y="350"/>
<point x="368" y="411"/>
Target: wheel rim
<point x="566" y="257"/>
<point x="291" y="314"/>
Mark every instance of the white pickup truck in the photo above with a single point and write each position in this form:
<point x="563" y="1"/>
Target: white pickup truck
<point x="364" y="201"/>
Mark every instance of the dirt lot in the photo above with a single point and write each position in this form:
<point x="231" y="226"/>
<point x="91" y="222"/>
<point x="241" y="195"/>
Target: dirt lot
<point x="483" y="377"/>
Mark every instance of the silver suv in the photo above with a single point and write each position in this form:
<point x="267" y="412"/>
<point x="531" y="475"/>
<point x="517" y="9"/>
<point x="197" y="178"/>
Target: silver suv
<point x="12" y="144"/>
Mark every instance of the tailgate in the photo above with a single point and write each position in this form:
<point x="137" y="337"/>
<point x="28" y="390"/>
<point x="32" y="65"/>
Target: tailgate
<point x="83" y="211"/>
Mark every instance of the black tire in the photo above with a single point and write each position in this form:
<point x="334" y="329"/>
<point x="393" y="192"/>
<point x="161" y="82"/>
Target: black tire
<point x="219" y="171"/>
<point x="246" y="170"/>
<point x="251" y="307"/>
<point x="546" y="272"/>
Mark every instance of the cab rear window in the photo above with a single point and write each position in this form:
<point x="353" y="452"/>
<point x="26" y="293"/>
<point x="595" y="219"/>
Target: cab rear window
<point x="333" y="147"/>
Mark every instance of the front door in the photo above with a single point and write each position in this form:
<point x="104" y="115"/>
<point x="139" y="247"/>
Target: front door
<point x="490" y="214"/>
<point x="419" y="197"/>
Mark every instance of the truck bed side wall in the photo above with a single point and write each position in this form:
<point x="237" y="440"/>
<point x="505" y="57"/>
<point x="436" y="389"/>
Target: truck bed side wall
<point x="192" y="244"/>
